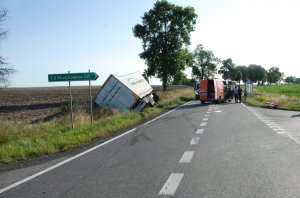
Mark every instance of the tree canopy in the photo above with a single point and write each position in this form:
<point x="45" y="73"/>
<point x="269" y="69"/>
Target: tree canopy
<point x="244" y="72"/>
<point x="204" y="63"/>
<point x="165" y="33"/>
<point x="256" y="73"/>
<point x="290" y="79"/>
<point x="228" y="69"/>
<point x="274" y="75"/>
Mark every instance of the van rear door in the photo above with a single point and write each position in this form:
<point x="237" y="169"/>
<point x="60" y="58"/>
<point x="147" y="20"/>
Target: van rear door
<point x="203" y="90"/>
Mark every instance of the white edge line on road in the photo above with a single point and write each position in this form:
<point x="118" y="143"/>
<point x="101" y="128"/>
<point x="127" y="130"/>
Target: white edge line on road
<point x="61" y="163"/>
<point x="77" y="156"/>
<point x="277" y="129"/>
<point x="171" y="184"/>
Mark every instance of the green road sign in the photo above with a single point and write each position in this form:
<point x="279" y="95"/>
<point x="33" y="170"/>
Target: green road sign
<point x="72" y="77"/>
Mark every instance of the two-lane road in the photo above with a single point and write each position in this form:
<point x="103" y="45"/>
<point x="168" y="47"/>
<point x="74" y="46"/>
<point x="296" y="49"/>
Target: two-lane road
<point x="226" y="150"/>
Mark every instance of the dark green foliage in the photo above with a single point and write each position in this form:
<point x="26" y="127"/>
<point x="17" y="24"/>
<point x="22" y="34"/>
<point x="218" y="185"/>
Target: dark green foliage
<point x="274" y="75"/>
<point x="256" y="73"/>
<point x="228" y="69"/>
<point x="179" y="78"/>
<point x="165" y="33"/>
<point x="238" y="76"/>
<point x="244" y="72"/>
<point x="204" y="64"/>
<point x="290" y="79"/>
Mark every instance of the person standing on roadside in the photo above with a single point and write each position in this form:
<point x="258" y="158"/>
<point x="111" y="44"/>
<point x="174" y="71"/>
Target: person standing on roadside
<point x="229" y="93"/>
<point x="236" y="94"/>
<point x="240" y="91"/>
<point x="245" y="94"/>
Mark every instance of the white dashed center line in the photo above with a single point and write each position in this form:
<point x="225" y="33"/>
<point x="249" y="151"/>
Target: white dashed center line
<point x="199" y="131"/>
<point x="187" y="157"/>
<point x="195" y="140"/>
<point x="205" y="119"/>
<point x="171" y="184"/>
<point x="203" y="124"/>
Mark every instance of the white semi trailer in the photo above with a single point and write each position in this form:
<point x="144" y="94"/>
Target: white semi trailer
<point x="130" y="91"/>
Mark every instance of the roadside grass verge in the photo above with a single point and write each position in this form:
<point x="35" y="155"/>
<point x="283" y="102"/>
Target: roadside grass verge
<point x="23" y="140"/>
<point x="285" y="96"/>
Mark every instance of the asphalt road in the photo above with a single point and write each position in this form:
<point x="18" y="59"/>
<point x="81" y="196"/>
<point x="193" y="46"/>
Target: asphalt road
<point x="226" y="150"/>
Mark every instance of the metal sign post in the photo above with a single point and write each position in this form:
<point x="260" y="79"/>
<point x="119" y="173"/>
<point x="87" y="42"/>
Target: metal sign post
<point x="91" y="103"/>
<point x="71" y="105"/>
<point x="75" y="77"/>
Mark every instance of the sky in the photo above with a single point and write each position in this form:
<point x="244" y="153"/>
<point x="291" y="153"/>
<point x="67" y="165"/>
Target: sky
<point x="57" y="36"/>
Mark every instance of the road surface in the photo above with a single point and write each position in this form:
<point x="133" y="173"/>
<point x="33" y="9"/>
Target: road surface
<point x="226" y="150"/>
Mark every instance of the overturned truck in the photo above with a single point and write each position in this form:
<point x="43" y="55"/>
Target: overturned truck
<point x="130" y="91"/>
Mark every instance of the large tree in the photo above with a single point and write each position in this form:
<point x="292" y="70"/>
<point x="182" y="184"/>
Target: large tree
<point x="244" y="72"/>
<point x="228" y="70"/>
<point x="256" y="73"/>
<point x="165" y="33"/>
<point x="274" y="75"/>
<point x="5" y="71"/>
<point x="290" y="79"/>
<point x="204" y="64"/>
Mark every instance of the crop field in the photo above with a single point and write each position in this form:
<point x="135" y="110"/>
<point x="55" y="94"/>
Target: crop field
<point x="33" y="104"/>
<point x="284" y="96"/>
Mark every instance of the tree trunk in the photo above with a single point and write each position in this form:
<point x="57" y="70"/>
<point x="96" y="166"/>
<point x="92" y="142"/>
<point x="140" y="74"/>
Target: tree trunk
<point x="165" y="80"/>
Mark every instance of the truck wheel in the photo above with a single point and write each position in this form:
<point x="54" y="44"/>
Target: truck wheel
<point x="202" y="101"/>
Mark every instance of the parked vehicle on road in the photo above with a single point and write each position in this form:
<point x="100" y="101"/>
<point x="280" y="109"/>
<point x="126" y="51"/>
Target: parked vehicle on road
<point x="212" y="90"/>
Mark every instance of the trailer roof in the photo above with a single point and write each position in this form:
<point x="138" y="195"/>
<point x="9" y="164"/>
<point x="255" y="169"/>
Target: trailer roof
<point x="136" y="83"/>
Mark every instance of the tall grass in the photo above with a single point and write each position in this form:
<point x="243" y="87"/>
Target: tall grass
<point x="285" y="96"/>
<point x="23" y="140"/>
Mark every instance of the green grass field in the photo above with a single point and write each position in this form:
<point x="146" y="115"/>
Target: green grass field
<point x="285" y="96"/>
<point x="20" y="140"/>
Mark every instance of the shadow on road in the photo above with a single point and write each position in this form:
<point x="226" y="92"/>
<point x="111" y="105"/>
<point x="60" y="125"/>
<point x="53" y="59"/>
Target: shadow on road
<point x="190" y="106"/>
<point x="294" y="116"/>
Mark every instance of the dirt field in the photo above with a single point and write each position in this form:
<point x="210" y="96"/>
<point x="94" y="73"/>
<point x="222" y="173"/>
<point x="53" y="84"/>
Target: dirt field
<point x="40" y="103"/>
<point x="33" y="104"/>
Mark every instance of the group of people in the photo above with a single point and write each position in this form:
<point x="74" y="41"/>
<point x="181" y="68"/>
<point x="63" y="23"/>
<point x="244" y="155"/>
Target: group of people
<point x="237" y="93"/>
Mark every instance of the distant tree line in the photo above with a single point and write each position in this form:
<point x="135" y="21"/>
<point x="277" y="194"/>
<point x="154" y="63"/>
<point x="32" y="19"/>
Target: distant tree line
<point x="292" y="80"/>
<point x="254" y="73"/>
